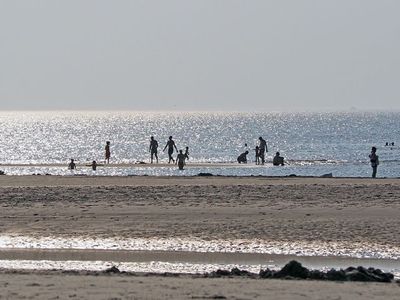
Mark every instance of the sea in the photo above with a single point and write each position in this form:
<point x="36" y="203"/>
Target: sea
<point x="313" y="144"/>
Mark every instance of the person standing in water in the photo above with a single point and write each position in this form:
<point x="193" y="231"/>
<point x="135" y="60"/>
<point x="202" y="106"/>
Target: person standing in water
<point x="72" y="165"/>
<point x="262" y="149"/>
<point x="257" y="153"/>
<point x="108" y="152"/>
<point x="153" y="149"/>
<point x="187" y="153"/>
<point x="94" y="165"/>
<point x="171" y="145"/>
<point x="374" y="159"/>
<point x="180" y="159"/>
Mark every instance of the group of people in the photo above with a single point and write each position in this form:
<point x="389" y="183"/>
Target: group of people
<point x="153" y="149"/>
<point x="260" y="150"/>
<point x="94" y="164"/>
<point x="180" y="158"/>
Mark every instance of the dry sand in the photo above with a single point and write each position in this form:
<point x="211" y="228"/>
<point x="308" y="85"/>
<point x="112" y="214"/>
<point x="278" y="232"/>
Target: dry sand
<point x="363" y="211"/>
<point x="57" y="285"/>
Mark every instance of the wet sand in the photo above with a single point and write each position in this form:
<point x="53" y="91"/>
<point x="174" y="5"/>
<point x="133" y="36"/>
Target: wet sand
<point x="313" y="211"/>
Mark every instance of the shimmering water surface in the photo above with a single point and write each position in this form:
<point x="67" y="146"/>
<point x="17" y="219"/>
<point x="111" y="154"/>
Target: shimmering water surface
<point x="184" y="255"/>
<point x="313" y="143"/>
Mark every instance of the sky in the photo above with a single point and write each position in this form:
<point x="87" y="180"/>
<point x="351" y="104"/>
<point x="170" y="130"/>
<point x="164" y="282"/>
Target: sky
<point x="222" y="55"/>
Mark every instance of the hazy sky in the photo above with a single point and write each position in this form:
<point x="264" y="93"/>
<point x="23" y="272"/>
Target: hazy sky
<point x="255" y="55"/>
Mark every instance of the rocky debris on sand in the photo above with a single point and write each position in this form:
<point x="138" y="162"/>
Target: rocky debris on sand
<point x="233" y="272"/>
<point x="2" y="172"/>
<point x="329" y="175"/>
<point x="204" y="174"/>
<point x="295" y="270"/>
<point x="113" y="269"/>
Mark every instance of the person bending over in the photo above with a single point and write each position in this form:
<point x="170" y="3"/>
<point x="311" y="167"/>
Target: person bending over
<point x="242" y="158"/>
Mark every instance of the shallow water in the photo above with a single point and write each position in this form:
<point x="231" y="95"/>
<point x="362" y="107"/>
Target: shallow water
<point x="312" y="169"/>
<point x="342" y="249"/>
<point x="164" y="267"/>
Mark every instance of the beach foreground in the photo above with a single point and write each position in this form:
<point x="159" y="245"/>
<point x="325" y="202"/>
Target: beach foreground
<point x="297" y="216"/>
<point x="56" y="285"/>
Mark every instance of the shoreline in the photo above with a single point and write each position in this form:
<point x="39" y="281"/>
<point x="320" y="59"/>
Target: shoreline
<point x="131" y="180"/>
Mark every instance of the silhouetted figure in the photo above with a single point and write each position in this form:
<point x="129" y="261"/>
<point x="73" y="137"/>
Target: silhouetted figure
<point x="187" y="153"/>
<point x="171" y="145"/>
<point x="246" y="148"/>
<point x="374" y="159"/>
<point x="94" y="165"/>
<point x="278" y="160"/>
<point x="108" y="152"/>
<point x="242" y="158"/>
<point x="180" y="159"/>
<point x="72" y="165"/>
<point x="392" y="143"/>
<point x="257" y="153"/>
<point x="153" y="149"/>
<point x="387" y="144"/>
<point x="263" y="149"/>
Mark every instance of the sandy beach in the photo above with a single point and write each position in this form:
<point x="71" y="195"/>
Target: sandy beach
<point x="57" y="285"/>
<point x="322" y="213"/>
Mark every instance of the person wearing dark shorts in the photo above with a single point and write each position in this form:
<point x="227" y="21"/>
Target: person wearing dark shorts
<point x="153" y="149"/>
<point x="171" y="145"/>
<point x="108" y="152"/>
<point x="374" y="159"/>
<point x="262" y="149"/>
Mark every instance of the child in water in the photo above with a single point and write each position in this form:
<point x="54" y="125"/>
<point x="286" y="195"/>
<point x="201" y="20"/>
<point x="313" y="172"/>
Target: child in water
<point x="187" y="152"/>
<point x="257" y="152"/>
<point x="180" y="160"/>
<point x="72" y="165"/>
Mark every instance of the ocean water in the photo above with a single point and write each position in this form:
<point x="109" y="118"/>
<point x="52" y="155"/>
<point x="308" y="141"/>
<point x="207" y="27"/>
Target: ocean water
<point x="312" y="143"/>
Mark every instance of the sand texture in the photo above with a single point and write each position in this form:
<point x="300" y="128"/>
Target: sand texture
<point x="56" y="285"/>
<point x="305" y="209"/>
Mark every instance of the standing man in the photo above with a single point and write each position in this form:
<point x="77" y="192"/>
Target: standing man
<point x="153" y="149"/>
<point x="108" y="152"/>
<point x="374" y="159"/>
<point x="171" y="145"/>
<point x="262" y="149"/>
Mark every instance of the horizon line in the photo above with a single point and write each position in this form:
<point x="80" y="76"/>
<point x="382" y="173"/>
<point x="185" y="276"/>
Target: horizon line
<point x="350" y="110"/>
